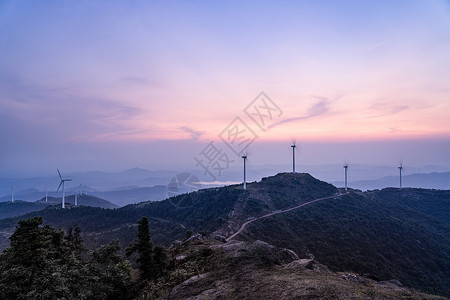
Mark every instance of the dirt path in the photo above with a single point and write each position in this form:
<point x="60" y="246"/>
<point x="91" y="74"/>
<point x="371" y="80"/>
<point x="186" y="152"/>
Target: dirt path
<point x="279" y="212"/>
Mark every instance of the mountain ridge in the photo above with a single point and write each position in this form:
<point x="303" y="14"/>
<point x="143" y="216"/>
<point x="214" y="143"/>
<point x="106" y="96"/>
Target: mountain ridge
<point x="354" y="232"/>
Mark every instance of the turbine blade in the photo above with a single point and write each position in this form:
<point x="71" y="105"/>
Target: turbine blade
<point x="59" y="174"/>
<point x="59" y="186"/>
<point x="67" y="179"/>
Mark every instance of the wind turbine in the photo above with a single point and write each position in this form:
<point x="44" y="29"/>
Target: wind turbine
<point x="12" y="193"/>
<point x="400" y="168"/>
<point x="79" y="192"/>
<point x="293" y="157"/>
<point x="245" y="183"/>
<point x="63" y="188"/>
<point x="46" y="194"/>
<point x="346" y="169"/>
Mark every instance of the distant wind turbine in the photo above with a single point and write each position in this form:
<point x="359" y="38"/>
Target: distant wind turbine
<point x="245" y="182"/>
<point x="293" y="157"/>
<point x="46" y="194"/>
<point x="400" y="168"/>
<point x="63" y="188"/>
<point x="12" y="193"/>
<point x="346" y="169"/>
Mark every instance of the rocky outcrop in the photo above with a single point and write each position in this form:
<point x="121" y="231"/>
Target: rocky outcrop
<point x="258" y="270"/>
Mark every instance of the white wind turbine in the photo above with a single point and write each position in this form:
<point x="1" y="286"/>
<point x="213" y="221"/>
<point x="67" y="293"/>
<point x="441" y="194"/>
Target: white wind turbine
<point x="346" y="169"/>
<point x="400" y="168"/>
<point x="245" y="180"/>
<point x="63" y="188"/>
<point x="293" y="157"/>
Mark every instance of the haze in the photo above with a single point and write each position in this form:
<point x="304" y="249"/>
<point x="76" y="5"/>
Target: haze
<point x="101" y="85"/>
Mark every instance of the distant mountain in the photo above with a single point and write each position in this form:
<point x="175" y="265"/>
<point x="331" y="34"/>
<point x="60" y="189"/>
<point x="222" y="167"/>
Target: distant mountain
<point x="18" y="208"/>
<point x="440" y="181"/>
<point x="94" y="180"/>
<point x="390" y="233"/>
<point x="127" y="196"/>
<point x="120" y="197"/>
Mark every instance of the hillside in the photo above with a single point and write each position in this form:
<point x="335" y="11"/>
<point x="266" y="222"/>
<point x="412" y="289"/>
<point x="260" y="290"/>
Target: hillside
<point x="17" y="208"/>
<point x="388" y="233"/>
<point x="127" y="196"/>
<point x="258" y="270"/>
<point x="391" y="234"/>
<point x="82" y="200"/>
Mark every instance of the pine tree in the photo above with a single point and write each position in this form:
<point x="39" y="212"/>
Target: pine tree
<point x="75" y="241"/>
<point x="144" y="247"/>
<point x="41" y="264"/>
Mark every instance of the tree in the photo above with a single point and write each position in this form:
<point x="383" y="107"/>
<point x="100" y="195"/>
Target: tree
<point x="160" y="259"/>
<point x="113" y="271"/>
<point x="42" y="264"/>
<point x="35" y="264"/>
<point x="75" y="241"/>
<point x="144" y="247"/>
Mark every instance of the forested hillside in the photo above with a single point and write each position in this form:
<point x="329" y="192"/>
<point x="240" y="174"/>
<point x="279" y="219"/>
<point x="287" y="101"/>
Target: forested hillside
<point x="390" y="233"/>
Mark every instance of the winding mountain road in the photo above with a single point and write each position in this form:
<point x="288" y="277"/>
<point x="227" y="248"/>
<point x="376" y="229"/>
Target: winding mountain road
<point x="279" y="212"/>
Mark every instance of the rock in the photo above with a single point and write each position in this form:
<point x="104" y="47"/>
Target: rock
<point x="175" y="243"/>
<point x="290" y="255"/>
<point x="353" y="278"/>
<point x="392" y="282"/>
<point x="299" y="264"/>
<point x="180" y="257"/>
<point x="221" y="238"/>
<point x="196" y="237"/>
<point x="265" y="253"/>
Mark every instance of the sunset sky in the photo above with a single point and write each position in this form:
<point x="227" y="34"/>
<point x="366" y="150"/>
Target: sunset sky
<point x="110" y="85"/>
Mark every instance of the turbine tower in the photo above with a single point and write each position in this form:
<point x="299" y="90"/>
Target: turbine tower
<point x="400" y="168"/>
<point x="245" y="182"/>
<point x="346" y="168"/>
<point x="12" y="193"/>
<point x="46" y="194"/>
<point x="63" y="188"/>
<point x="293" y="158"/>
<point x="76" y="199"/>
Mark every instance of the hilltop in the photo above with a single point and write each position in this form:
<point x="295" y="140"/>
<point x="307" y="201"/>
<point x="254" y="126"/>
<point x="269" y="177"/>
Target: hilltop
<point x="390" y="233"/>
<point x="82" y="200"/>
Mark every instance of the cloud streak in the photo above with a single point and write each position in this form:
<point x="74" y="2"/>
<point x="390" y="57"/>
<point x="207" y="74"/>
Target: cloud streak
<point x="194" y="134"/>
<point x="382" y="109"/>
<point x="319" y="108"/>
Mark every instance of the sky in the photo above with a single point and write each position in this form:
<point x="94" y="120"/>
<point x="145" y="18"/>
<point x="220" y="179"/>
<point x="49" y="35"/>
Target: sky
<point x="111" y="85"/>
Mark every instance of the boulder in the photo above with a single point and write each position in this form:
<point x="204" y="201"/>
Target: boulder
<point x="221" y="238"/>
